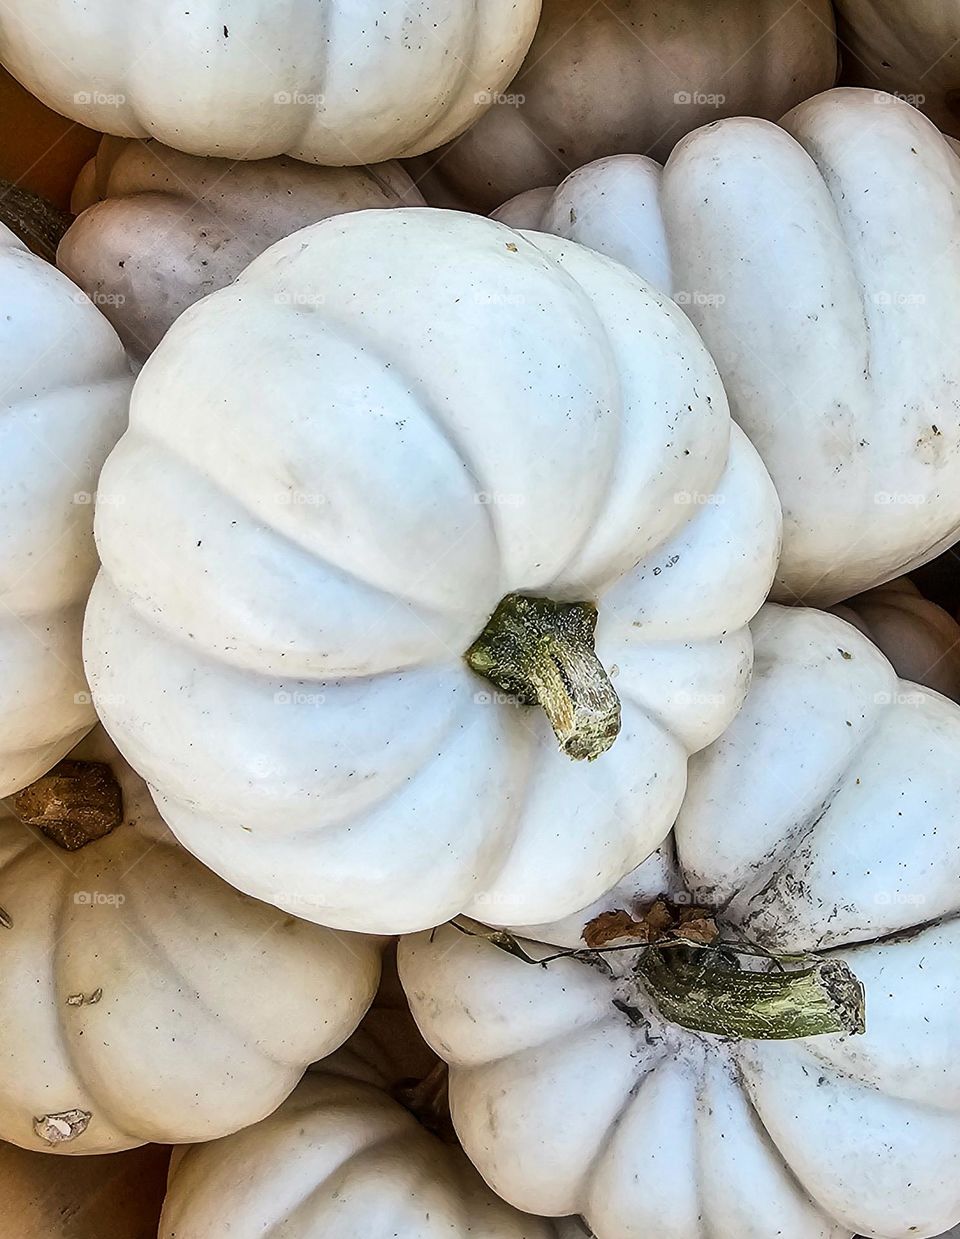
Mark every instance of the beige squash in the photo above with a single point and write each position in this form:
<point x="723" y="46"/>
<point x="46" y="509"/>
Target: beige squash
<point x="141" y="998"/>
<point x="158" y="230"/>
<point x="631" y="76"/>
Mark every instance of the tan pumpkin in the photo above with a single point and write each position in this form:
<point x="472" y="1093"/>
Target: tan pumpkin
<point x="115" y="1196"/>
<point x="158" y="229"/>
<point x="908" y="47"/>
<point x="921" y="640"/>
<point x="631" y="76"/>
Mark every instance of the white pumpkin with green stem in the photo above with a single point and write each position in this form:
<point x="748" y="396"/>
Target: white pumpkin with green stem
<point x="141" y="998"/>
<point x="408" y="447"/>
<point x="336" y="82"/>
<point x="64" y="390"/>
<point x="160" y="229"/>
<point x="826" y="294"/>
<point x="668" y="1091"/>
<point x="921" y="639"/>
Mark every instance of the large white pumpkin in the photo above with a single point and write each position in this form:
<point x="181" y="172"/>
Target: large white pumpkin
<point x="825" y="819"/>
<point x="921" y="639"/>
<point x="160" y="229"/>
<point x="142" y="999"/>
<point x="331" y="82"/>
<point x="391" y="423"/>
<point x="825" y="291"/>
<point x="64" y="389"/>
<point x="627" y="76"/>
<point x="339" y="1158"/>
<point x="912" y="49"/>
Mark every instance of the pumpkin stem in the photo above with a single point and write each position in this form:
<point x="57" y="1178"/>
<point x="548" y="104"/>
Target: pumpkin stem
<point x="35" y="220"/>
<point x="703" y="989"/>
<point x="429" y="1101"/>
<point x="542" y="653"/>
<point x="76" y="803"/>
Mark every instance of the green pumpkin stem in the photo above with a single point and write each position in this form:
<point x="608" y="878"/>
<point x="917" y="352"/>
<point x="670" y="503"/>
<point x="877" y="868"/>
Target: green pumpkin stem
<point x="36" y="221"/>
<point x="74" y="804"/>
<point x="542" y="653"/>
<point x="693" y="988"/>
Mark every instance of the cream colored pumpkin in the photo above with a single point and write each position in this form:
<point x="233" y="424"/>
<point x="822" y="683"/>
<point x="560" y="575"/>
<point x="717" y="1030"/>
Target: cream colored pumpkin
<point x="142" y="999"/>
<point x="921" y="640"/>
<point x="160" y="229"/>
<point x="825" y="819"/>
<point x="826" y="292"/>
<point x="631" y="75"/>
<point x="911" y="49"/>
<point x="64" y="390"/>
<point x="339" y="1158"/>
<point x="391" y="423"/>
<point x="333" y="82"/>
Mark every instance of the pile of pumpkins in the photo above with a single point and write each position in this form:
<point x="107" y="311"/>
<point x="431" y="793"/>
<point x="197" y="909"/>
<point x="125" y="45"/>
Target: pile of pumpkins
<point x="474" y="762"/>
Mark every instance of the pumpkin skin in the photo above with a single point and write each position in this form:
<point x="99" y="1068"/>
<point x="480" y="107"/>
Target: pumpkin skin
<point x="339" y="1158"/>
<point x="66" y="387"/>
<point x="341" y="82"/>
<point x="824" y="818"/>
<point x="741" y="228"/>
<point x="40" y="150"/>
<point x="207" y="217"/>
<point x="211" y="1006"/>
<point x="318" y="697"/>
<point x="119" y="1195"/>
<point x="628" y="76"/>
<point x="909" y="49"/>
<point x="921" y="639"/>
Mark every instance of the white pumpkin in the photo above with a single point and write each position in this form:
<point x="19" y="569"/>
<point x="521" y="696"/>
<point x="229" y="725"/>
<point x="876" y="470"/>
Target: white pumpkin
<point x="142" y="999"/>
<point x="393" y="425"/>
<point x="335" y="82"/>
<point x="836" y="343"/>
<point x="160" y="229"/>
<point x="921" y="639"/>
<point x="825" y="819"/>
<point x="65" y="388"/>
<point x="633" y="75"/>
<point x="910" y="49"/>
<point x="339" y="1158"/>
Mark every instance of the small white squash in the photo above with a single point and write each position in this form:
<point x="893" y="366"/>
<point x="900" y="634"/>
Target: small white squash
<point x="649" y="1090"/>
<point x="342" y="1159"/>
<point x="141" y="998"/>
<point x="160" y="229"/>
<point x="328" y="81"/>
<point x="64" y="389"/>
<point x="826" y="292"/>
<point x="921" y="639"/>
<point x="404" y="447"/>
